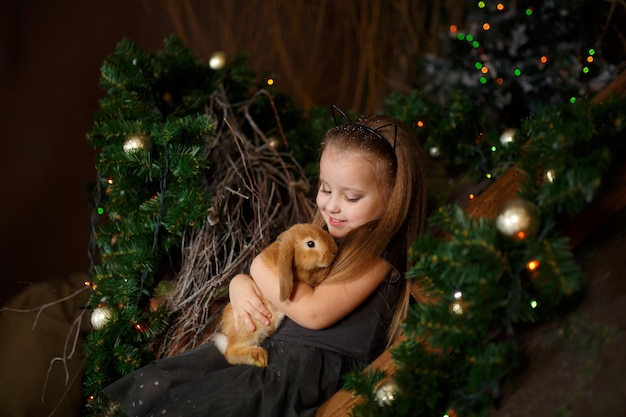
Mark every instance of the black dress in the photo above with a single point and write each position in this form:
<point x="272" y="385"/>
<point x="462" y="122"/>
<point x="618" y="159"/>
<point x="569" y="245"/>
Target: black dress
<point x="305" y="368"/>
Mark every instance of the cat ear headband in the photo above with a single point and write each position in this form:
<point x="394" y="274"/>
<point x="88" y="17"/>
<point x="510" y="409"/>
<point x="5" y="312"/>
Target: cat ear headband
<point x="375" y="132"/>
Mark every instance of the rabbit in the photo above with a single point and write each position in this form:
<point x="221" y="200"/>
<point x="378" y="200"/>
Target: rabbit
<point x="303" y="252"/>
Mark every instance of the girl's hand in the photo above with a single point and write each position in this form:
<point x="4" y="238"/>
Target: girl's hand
<point x="246" y="302"/>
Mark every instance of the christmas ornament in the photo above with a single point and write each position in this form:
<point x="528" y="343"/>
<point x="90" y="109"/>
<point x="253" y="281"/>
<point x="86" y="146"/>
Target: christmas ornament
<point x="507" y="136"/>
<point x="273" y="142"/>
<point x="434" y="152"/>
<point x="100" y="316"/>
<point x="137" y="142"/>
<point x="458" y="306"/>
<point x="386" y="394"/>
<point x="549" y="176"/>
<point x="218" y="60"/>
<point x="518" y="219"/>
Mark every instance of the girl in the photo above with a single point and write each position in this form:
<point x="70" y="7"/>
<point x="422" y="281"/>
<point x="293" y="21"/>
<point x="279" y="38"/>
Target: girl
<point x="372" y="199"/>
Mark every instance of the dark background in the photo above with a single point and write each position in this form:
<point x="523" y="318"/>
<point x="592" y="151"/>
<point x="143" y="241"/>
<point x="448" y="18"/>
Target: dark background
<point x="51" y="55"/>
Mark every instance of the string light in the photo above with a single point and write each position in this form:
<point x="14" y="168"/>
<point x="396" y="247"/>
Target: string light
<point x="533" y="303"/>
<point x="529" y="11"/>
<point x="420" y="123"/>
<point x="100" y="211"/>
<point x="270" y="81"/>
<point x="517" y="72"/>
<point x="500" y="81"/>
<point x="481" y="4"/>
<point x="486" y="26"/>
<point x="532" y="265"/>
<point x="544" y="59"/>
<point x="471" y="196"/>
<point x="484" y="70"/>
<point x="453" y="28"/>
<point x="500" y="6"/>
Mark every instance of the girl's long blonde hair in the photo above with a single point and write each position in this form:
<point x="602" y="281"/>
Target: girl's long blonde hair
<point x="398" y="161"/>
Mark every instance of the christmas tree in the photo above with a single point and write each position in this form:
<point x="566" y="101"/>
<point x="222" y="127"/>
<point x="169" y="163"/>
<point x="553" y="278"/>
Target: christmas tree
<point x="174" y="157"/>
<point x="510" y="65"/>
<point x="505" y="62"/>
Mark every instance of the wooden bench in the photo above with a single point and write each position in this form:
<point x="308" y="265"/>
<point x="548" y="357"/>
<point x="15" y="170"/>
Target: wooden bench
<point x="487" y="205"/>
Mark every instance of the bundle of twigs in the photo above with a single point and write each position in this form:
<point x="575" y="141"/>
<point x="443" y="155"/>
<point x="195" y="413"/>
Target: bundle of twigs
<point x="257" y="192"/>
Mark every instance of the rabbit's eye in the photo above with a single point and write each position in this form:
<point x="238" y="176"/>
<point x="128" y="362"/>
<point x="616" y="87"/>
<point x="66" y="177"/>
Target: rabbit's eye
<point x="310" y="244"/>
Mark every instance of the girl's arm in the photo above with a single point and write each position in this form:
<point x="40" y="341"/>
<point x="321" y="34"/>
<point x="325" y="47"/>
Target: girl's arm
<point x="322" y="306"/>
<point x="246" y="302"/>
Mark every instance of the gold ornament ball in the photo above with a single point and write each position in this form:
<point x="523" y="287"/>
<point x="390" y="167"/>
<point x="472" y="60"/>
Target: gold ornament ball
<point x="549" y="176"/>
<point x="137" y="142"/>
<point x="434" y="152"/>
<point x="518" y="219"/>
<point x="218" y="60"/>
<point x="386" y="394"/>
<point x="100" y="316"/>
<point x="507" y="136"/>
<point x="458" y="306"/>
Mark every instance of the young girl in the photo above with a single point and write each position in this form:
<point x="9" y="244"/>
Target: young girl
<point x="372" y="199"/>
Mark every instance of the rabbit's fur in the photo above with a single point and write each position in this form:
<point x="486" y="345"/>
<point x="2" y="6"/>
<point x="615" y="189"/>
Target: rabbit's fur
<point x="303" y="252"/>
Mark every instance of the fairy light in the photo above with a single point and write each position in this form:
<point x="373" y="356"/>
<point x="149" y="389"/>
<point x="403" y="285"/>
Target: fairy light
<point x="460" y="36"/>
<point x="471" y="196"/>
<point x="517" y="72"/>
<point x="500" y="6"/>
<point x="420" y="123"/>
<point x="481" y="4"/>
<point x="589" y="59"/>
<point x="529" y="11"/>
<point x="483" y="80"/>
<point x="100" y="210"/>
<point x="475" y="44"/>
<point x="586" y="70"/>
<point x="478" y="65"/>
<point x="488" y="175"/>
<point x="500" y="81"/>
<point x="270" y="81"/>
<point x="493" y="148"/>
<point x="533" y="303"/>
<point x="484" y="70"/>
<point x="469" y="37"/>
<point x="592" y="51"/>
<point x="544" y="59"/>
<point x="453" y="28"/>
<point x="572" y="100"/>
<point x="486" y="26"/>
<point x="532" y="265"/>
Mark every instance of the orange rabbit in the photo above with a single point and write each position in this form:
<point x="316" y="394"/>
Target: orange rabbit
<point x="303" y="252"/>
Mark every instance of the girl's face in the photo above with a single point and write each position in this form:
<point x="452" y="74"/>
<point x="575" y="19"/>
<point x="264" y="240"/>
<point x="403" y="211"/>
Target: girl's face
<point x="349" y="195"/>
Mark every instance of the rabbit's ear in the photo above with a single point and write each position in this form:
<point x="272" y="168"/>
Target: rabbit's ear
<point x="286" y="254"/>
